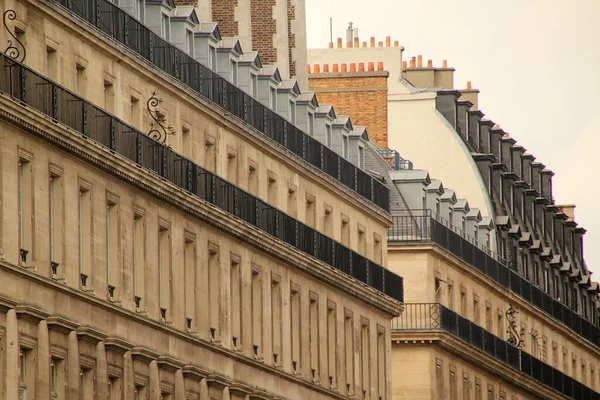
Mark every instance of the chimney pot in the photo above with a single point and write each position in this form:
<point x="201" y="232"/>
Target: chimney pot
<point x="371" y="66"/>
<point x="469" y="85"/>
<point x="339" y="43"/>
<point x="334" y="68"/>
<point x="331" y="45"/>
<point x="348" y="44"/>
<point x="380" y="66"/>
<point x="404" y="65"/>
<point x="429" y="63"/>
<point x="413" y="62"/>
<point x="308" y="68"/>
<point x="396" y="43"/>
<point x="380" y="44"/>
<point x="361" y="67"/>
<point x="352" y="67"/>
<point x="372" y="41"/>
<point x="364" y="44"/>
<point x="420" y="61"/>
<point x="317" y="68"/>
<point x="388" y="41"/>
<point x="325" y="67"/>
<point x="444" y="64"/>
<point x="344" y="67"/>
<point x="356" y="42"/>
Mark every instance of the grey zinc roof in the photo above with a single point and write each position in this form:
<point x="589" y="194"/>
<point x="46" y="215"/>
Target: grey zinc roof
<point x="449" y="195"/>
<point x="410" y="175"/>
<point x="486" y="222"/>
<point x="461" y="204"/>
<point x="474" y="213"/>
<point x="358" y="131"/>
<point x="435" y="186"/>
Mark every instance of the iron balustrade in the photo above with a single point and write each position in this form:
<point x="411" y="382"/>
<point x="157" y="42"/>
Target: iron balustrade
<point x="422" y="227"/>
<point x="51" y="99"/>
<point x="125" y="29"/>
<point x="436" y="317"/>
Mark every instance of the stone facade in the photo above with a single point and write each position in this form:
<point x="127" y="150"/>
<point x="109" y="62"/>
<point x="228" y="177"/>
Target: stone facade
<point x="362" y="94"/>
<point x="124" y="285"/>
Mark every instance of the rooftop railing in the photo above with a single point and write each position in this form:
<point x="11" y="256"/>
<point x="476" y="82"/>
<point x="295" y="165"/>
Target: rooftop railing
<point x="421" y="226"/>
<point x="124" y="28"/>
<point x="436" y="317"/>
<point x="63" y="106"/>
<point x="392" y="157"/>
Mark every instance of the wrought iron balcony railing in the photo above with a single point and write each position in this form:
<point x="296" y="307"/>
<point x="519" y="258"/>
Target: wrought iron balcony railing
<point x="392" y="157"/>
<point x="436" y="317"/>
<point x="127" y="30"/>
<point x="422" y="227"/>
<point x="49" y="98"/>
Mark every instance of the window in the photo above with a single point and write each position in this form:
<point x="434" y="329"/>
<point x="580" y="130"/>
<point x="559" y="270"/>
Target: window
<point x="233" y="72"/>
<point x="51" y="63"/>
<point x="26" y="374"/>
<point x="253" y="85"/>
<point x="362" y="241"/>
<point x="257" y="312"/>
<point x="311" y="124"/>
<point x="56" y="224"/>
<point x="453" y="383"/>
<point x="292" y="112"/>
<point x="439" y="378"/>
<point x="276" y="317"/>
<point x="253" y="178"/>
<point x="331" y="344"/>
<point x="139" y="259"/>
<point x="112" y="247"/>
<point x="273" y="97"/>
<point x="293" y="203"/>
<point x="296" y="326"/>
<point x="85" y="236"/>
<point x="464" y="226"/>
<point x="57" y="378"/>
<point x="361" y="157"/>
<point x="546" y="281"/>
<point x="345" y="234"/>
<point x="114" y="388"/>
<point x="80" y="79"/>
<point x="109" y="95"/>
<point x="512" y="199"/>
<point x="314" y="336"/>
<point x="525" y="263"/>
<point x="364" y="359"/>
<point x="164" y="270"/>
<point x="328" y="138"/>
<point x="437" y="208"/>
<point x="86" y="384"/>
<point x="25" y="209"/>
<point x="164" y="27"/>
<point x="214" y="292"/>
<point x="134" y="112"/>
<point x="349" y="351"/>
<point x="190" y="278"/>
<point x="345" y="149"/>
<point x="311" y="212"/>
<point x="232" y="166"/>
<point x="212" y="58"/>
<point x="140" y="5"/>
<point x="381" y="371"/>
<point x="451" y="217"/>
<point x="189" y="42"/>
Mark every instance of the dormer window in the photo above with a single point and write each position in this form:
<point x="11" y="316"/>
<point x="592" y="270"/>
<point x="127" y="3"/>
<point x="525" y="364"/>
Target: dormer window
<point x="328" y="139"/>
<point x="212" y="58"/>
<point x="140" y="5"/>
<point x="361" y="157"/>
<point x="253" y="85"/>
<point x="451" y="217"/>
<point x="437" y="207"/>
<point x="273" y="99"/>
<point x="311" y="124"/>
<point x="233" y="72"/>
<point x="292" y="112"/>
<point x="345" y="150"/>
<point x="189" y="42"/>
<point x="164" y="27"/>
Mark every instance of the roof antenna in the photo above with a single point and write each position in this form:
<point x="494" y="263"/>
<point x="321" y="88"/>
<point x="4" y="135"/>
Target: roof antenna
<point x="330" y="30"/>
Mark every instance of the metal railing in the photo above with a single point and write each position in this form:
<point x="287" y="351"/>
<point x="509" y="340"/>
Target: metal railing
<point x="392" y="157"/>
<point x="124" y="28"/>
<point x="422" y="227"/>
<point x="58" y="103"/>
<point x="436" y="317"/>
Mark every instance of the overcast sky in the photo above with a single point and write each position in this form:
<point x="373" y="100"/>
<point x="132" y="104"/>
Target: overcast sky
<point x="536" y="62"/>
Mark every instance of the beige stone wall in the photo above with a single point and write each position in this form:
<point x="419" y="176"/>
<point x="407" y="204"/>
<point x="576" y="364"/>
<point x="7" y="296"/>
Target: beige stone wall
<point x="476" y="297"/>
<point x="85" y="63"/>
<point x="187" y="285"/>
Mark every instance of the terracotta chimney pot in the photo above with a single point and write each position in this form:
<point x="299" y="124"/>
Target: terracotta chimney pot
<point x="429" y="63"/>
<point x="444" y="64"/>
<point x="420" y="61"/>
<point x="361" y="67"/>
<point x="404" y="65"/>
<point x="372" y="41"/>
<point x="326" y="68"/>
<point x="331" y="45"/>
<point x="317" y="68"/>
<point x="469" y="85"/>
<point x="380" y="66"/>
<point x="334" y="68"/>
<point x="371" y="66"/>
<point x="396" y="43"/>
<point x="352" y="67"/>
<point x="344" y="67"/>
<point x="339" y="43"/>
<point x="388" y="41"/>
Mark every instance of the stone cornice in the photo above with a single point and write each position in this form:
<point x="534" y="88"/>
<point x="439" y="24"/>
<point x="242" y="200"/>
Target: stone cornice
<point x="151" y="183"/>
<point x="31" y="314"/>
<point x="60" y="324"/>
<point x="169" y="364"/>
<point x="186" y="95"/>
<point x="474" y="356"/>
<point x="7" y="304"/>
<point x="194" y="372"/>
<point x="494" y="287"/>
<point x="90" y="335"/>
<point x="116" y="345"/>
<point x="143" y="354"/>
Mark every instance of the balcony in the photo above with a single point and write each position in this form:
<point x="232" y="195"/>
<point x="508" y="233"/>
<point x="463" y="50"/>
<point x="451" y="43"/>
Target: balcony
<point x="421" y="227"/>
<point x="392" y="157"/>
<point x="122" y="27"/>
<point x="436" y="317"/>
<point x="35" y="91"/>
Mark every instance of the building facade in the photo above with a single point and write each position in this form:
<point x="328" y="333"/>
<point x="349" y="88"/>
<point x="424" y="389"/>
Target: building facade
<point x="499" y="301"/>
<point x="177" y="221"/>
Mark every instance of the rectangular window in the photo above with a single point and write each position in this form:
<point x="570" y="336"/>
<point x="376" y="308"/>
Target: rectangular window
<point x="112" y="248"/>
<point x="478" y="394"/>
<point x="311" y="212"/>
<point x="57" y="378"/>
<point x="292" y="112"/>
<point x="86" y="384"/>
<point x="164" y="272"/>
<point x="23" y="371"/>
<point x="453" y="383"/>
<point x="345" y="149"/>
<point x="331" y="345"/>
<point x="364" y="358"/>
<point x="189" y="259"/>
<point x="361" y="157"/>
<point x="139" y="260"/>
<point x="439" y="378"/>
<point x="56" y="225"/>
<point x="214" y="292"/>
<point x="349" y="351"/>
<point x="114" y="388"/>
<point x="189" y="42"/>
<point x="109" y="96"/>
<point x="292" y="202"/>
<point x="345" y="232"/>
<point x="296" y="326"/>
<point x="378" y="251"/>
<point x="235" y="282"/>
<point x="80" y="80"/>
<point x="311" y="124"/>
<point x="233" y="72"/>
<point x="381" y="370"/>
<point x="164" y="27"/>
<point x="257" y="314"/>
<point x="362" y="242"/>
<point x="328" y="139"/>
<point x="314" y="337"/>
<point x="253" y="85"/>
<point x="212" y="57"/>
<point x="276" y="310"/>
<point x="140" y="10"/>
<point x="25" y="211"/>
<point x="85" y="237"/>
<point x="51" y="63"/>
<point x="135" y="112"/>
<point x="273" y="94"/>
<point x="232" y="167"/>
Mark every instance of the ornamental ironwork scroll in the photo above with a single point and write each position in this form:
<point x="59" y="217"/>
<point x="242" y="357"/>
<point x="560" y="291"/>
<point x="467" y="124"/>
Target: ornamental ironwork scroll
<point x="515" y="335"/>
<point x="13" y="50"/>
<point x="159" y="129"/>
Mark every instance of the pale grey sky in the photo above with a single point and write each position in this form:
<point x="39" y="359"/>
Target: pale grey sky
<point x="536" y="62"/>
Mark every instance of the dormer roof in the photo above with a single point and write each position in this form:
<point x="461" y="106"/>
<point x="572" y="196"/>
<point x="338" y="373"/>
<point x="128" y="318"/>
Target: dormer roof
<point x="413" y="175"/>
<point x="359" y="132"/>
<point x="270" y="72"/>
<point x="210" y="29"/>
<point x="290" y="85"/>
<point x="309" y="98"/>
<point x="167" y="3"/>
<point x="486" y="223"/>
<point x="343" y="121"/>
<point x="326" y="109"/>
<point x="436" y="186"/>
<point x="231" y="44"/>
<point x="186" y="13"/>
<point x="448" y="195"/>
<point x="252" y="58"/>
<point x="462" y="204"/>
<point x="475" y="214"/>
